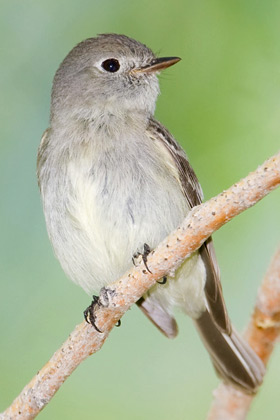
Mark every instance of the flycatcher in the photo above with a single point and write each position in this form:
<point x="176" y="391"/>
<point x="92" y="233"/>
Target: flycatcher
<point x="113" y="179"/>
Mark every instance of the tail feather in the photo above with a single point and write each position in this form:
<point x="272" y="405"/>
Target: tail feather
<point x="233" y="359"/>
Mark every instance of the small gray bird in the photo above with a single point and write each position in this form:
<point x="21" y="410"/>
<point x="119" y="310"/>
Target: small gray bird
<point x="112" y="179"/>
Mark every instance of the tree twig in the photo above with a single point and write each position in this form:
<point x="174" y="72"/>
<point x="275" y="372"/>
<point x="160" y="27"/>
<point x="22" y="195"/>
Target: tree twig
<point x="262" y="332"/>
<point x="200" y="223"/>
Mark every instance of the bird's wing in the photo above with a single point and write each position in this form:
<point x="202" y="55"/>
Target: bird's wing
<point x="193" y="193"/>
<point x="41" y="153"/>
<point x="158" y="315"/>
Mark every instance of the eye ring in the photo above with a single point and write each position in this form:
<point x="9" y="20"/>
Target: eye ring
<point x="111" y="65"/>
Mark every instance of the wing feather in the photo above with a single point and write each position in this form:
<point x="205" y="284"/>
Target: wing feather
<point x="193" y="193"/>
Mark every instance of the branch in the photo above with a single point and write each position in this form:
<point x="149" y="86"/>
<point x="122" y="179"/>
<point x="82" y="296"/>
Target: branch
<point x="261" y="333"/>
<point x="200" y="223"/>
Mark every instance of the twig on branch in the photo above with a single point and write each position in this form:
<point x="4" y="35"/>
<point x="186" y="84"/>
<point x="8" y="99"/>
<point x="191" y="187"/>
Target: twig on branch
<point x="200" y="223"/>
<point x="261" y="333"/>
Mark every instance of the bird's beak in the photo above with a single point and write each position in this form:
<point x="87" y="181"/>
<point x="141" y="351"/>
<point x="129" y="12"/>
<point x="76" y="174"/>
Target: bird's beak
<point x="157" y="64"/>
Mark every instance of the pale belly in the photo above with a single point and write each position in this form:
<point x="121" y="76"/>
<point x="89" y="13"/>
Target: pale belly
<point x="101" y="211"/>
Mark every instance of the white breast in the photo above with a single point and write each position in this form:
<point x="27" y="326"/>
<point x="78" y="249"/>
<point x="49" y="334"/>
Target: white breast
<point x="108" y="202"/>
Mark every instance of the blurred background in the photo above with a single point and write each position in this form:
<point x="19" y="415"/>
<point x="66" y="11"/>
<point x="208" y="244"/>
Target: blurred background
<point x="222" y="102"/>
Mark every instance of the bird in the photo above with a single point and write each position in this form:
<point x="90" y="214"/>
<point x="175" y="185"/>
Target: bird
<point x="114" y="183"/>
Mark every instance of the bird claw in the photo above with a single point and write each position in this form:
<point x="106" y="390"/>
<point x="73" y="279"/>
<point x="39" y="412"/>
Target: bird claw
<point x="97" y="302"/>
<point x="89" y="314"/>
<point x="144" y="256"/>
<point x="163" y="281"/>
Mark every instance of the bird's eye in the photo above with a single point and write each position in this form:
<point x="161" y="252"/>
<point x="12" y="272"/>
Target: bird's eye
<point x="112" y="65"/>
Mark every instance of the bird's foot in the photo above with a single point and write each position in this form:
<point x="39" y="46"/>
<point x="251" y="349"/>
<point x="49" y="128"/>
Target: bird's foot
<point x="98" y="301"/>
<point x="89" y="313"/>
<point x="144" y="256"/>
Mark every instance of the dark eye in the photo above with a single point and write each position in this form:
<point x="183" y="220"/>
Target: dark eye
<point x="112" y="65"/>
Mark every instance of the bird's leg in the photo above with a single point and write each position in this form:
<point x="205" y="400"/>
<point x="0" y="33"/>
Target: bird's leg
<point x="97" y="302"/>
<point x="89" y="314"/>
<point x="144" y="255"/>
<point x="146" y="252"/>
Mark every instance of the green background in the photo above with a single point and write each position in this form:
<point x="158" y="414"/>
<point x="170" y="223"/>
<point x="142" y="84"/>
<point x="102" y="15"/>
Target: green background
<point x="222" y="102"/>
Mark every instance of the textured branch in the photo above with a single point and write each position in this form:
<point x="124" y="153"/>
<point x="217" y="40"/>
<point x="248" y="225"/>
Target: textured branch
<point x="261" y="333"/>
<point x="200" y="223"/>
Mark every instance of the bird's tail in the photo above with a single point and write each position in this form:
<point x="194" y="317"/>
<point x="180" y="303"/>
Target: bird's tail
<point x="233" y="358"/>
